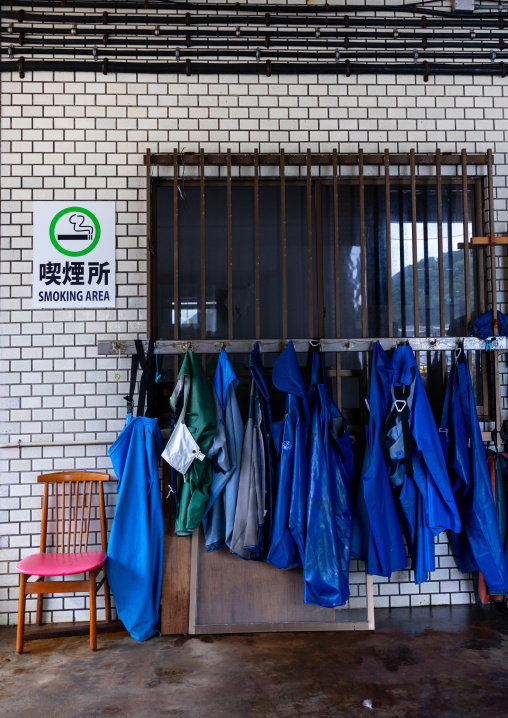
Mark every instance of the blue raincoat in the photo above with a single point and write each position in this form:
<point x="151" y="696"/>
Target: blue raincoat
<point x="478" y="546"/>
<point x="416" y="470"/>
<point x="135" y="548"/>
<point x="287" y="539"/>
<point x="254" y="505"/>
<point x="219" y="515"/>
<point x="377" y="539"/>
<point x="329" y="503"/>
<point x="483" y="326"/>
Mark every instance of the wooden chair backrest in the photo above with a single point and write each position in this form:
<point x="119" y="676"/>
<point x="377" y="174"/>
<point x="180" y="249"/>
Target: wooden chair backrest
<point x="73" y="491"/>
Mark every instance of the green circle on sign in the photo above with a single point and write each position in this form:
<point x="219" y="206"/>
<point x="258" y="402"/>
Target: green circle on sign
<point x="81" y="252"/>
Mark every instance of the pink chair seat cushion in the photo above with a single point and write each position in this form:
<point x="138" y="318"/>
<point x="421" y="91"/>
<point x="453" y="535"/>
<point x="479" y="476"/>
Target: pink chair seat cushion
<point x="61" y="564"/>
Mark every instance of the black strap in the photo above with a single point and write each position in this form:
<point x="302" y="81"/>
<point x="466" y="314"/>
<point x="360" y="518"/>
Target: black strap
<point x="400" y="410"/>
<point x="130" y="396"/>
<point x="147" y="381"/>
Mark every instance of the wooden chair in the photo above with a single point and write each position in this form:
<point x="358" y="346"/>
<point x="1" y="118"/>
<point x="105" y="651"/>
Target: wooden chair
<point x="75" y="496"/>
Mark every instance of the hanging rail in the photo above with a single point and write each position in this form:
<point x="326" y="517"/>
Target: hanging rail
<point x="352" y="344"/>
<point x="323" y="158"/>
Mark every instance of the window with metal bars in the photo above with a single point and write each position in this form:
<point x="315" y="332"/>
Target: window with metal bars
<point x="319" y="257"/>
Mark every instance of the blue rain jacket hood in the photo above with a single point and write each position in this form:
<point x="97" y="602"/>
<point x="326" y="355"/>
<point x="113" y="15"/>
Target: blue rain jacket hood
<point x="134" y="564"/>
<point x="329" y="503"/>
<point x="218" y="519"/>
<point x="423" y="497"/>
<point x="287" y="539"/>
<point x="478" y="545"/>
<point x="377" y="539"/>
<point x="483" y="326"/>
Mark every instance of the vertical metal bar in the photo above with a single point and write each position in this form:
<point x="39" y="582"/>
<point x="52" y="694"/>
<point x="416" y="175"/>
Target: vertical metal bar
<point x="389" y="294"/>
<point x="479" y="253"/>
<point x="320" y="290"/>
<point x="256" y="245"/>
<point x="479" y="283"/>
<point x="363" y="261"/>
<point x="338" y="356"/>
<point x="465" y="219"/>
<point x="149" y="252"/>
<point x="493" y="277"/>
<point x="415" y="244"/>
<point x="310" y="273"/>
<point x="176" y="296"/>
<point x="203" y="244"/>
<point x="439" y="191"/>
<point x="175" y="246"/>
<point x="230" y="249"/>
<point x="203" y="252"/>
<point x="283" y="245"/>
<point x="492" y="239"/>
<point x="402" y="257"/>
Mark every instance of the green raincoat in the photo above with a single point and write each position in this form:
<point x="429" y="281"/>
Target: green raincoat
<point x="187" y="447"/>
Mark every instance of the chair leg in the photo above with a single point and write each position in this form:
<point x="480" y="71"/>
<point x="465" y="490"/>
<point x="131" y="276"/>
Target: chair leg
<point x="40" y="598"/>
<point x="21" y="613"/>
<point x="107" y="597"/>
<point x="93" y="611"/>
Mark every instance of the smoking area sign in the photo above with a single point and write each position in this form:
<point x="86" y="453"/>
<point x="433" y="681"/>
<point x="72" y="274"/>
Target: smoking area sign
<point x="74" y="254"/>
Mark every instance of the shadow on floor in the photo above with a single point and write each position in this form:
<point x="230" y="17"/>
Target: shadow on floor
<point x="442" y="663"/>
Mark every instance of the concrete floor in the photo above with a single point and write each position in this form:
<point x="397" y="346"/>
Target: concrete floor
<point x="423" y="663"/>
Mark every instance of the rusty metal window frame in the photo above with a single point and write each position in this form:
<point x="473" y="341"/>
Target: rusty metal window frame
<point x="333" y="162"/>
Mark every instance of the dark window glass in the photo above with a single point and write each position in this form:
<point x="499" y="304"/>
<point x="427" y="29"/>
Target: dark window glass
<point x="336" y="275"/>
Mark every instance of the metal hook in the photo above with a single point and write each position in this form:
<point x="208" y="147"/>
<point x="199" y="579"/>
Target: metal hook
<point x="177" y="54"/>
<point x="220" y="346"/>
<point x="186" y="346"/>
<point x="95" y="53"/>
<point x="258" y="54"/>
<point x="10" y="51"/>
<point x="337" y="55"/>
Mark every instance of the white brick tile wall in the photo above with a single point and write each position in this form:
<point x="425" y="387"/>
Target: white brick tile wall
<point x="77" y="136"/>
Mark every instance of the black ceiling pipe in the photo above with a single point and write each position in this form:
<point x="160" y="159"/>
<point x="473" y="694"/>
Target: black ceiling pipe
<point x="254" y="68"/>
<point x="302" y="9"/>
<point x="279" y="33"/>
<point x="374" y="41"/>
<point x="380" y="54"/>
<point x="247" y="20"/>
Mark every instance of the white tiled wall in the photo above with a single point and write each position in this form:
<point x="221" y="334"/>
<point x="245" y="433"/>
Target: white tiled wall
<point x="81" y="137"/>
